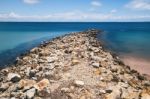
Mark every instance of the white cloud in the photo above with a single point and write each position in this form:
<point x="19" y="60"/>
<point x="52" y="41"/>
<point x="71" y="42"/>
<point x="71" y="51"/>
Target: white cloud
<point x="113" y="11"/>
<point x="72" y="16"/>
<point x="96" y="3"/>
<point x="31" y="1"/>
<point x="139" y="4"/>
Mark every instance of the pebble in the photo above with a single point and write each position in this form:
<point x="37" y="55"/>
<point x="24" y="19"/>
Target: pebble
<point x="79" y="83"/>
<point x="96" y="65"/>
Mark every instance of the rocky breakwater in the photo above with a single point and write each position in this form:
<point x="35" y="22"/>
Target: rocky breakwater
<point x="74" y="66"/>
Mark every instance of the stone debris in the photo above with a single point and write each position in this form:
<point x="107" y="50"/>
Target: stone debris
<point x="73" y="66"/>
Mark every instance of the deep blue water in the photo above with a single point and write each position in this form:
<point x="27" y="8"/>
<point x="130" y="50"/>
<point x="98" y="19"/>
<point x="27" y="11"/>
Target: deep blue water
<point x="123" y="38"/>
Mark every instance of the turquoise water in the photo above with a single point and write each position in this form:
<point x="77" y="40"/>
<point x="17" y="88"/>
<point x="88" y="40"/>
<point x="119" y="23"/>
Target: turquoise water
<point x="122" y="38"/>
<point x="10" y="40"/>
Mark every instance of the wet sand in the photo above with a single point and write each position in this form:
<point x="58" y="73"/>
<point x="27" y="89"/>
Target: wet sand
<point x="136" y="63"/>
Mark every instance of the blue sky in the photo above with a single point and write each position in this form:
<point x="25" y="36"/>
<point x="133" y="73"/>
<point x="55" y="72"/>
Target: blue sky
<point x="75" y="10"/>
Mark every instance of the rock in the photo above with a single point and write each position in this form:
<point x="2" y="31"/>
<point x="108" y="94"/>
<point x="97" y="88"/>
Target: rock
<point x="108" y="91"/>
<point x="145" y="94"/>
<point x="114" y="69"/>
<point x="113" y="93"/>
<point x="75" y="62"/>
<point x="14" y="77"/>
<point x="50" y="66"/>
<point x="123" y="85"/>
<point x="146" y="83"/>
<point x="49" y="74"/>
<point x="96" y="65"/>
<point x="26" y="84"/>
<point x="42" y="84"/>
<point x="96" y="58"/>
<point x="41" y="61"/>
<point x="51" y="59"/>
<point x="12" y="88"/>
<point x="32" y="73"/>
<point x="104" y="63"/>
<point x="115" y="78"/>
<point x="42" y="88"/>
<point x="101" y="91"/>
<point x="79" y="83"/>
<point x="44" y="53"/>
<point x="140" y="77"/>
<point x="97" y="72"/>
<point x="129" y="94"/>
<point x="67" y="90"/>
<point x="54" y="87"/>
<point x="34" y="50"/>
<point x="30" y="93"/>
<point x="27" y="71"/>
<point x="4" y="87"/>
<point x="45" y="92"/>
<point x="94" y="49"/>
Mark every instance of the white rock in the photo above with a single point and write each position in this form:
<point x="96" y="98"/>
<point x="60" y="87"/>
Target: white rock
<point x="96" y="65"/>
<point x="30" y="93"/>
<point x="51" y="59"/>
<point x="102" y="91"/>
<point x="79" y="83"/>
<point x="4" y="86"/>
<point x="14" y="77"/>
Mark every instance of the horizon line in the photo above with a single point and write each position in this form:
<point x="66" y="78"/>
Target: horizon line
<point x="68" y="21"/>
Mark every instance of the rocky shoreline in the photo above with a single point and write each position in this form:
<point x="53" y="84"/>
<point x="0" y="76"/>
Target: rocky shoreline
<point x="74" y="66"/>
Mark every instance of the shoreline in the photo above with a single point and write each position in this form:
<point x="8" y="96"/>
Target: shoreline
<point x="137" y="63"/>
<point x="74" y="66"/>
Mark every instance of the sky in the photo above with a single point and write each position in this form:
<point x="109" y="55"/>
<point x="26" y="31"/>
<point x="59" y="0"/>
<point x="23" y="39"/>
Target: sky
<point x="75" y="10"/>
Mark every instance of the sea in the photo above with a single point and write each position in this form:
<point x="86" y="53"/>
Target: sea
<point x="122" y="38"/>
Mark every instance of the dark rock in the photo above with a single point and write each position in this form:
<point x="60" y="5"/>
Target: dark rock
<point x="140" y="77"/>
<point x="108" y="91"/>
<point x="13" y="77"/>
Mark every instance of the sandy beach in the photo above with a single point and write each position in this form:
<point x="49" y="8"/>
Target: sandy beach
<point x="140" y="64"/>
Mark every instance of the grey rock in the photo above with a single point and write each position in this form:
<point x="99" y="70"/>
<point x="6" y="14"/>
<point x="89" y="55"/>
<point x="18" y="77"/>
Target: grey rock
<point x="14" y="77"/>
<point x="96" y="65"/>
<point x="32" y="73"/>
<point x="30" y="93"/>
<point x="108" y="91"/>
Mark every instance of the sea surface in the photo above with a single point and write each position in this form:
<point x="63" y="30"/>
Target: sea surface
<point x="123" y="38"/>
